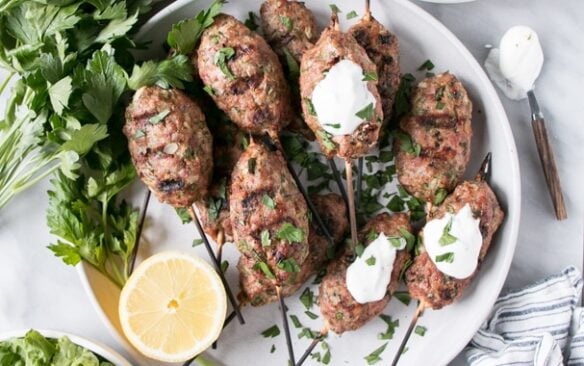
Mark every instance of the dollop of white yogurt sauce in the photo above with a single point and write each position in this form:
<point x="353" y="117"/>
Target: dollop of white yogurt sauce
<point x="516" y="64"/>
<point x="340" y="96"/>
<point x="465" y="249"/>
<point x="367" y="278"/>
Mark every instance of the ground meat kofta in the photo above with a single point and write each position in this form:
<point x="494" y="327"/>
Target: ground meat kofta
<point x="332" y="48"/>
<point x="170" y="144"/>
<point x="244" y="77"/>
<point x="425" y="281"/>
<point x="433" y="147"/>
<point x="288" y="26"/>
<point x="340" y="310"/>
<point x="382" y="47"/>
<point x="268" y="213"/>
<point x="257" y="290"/>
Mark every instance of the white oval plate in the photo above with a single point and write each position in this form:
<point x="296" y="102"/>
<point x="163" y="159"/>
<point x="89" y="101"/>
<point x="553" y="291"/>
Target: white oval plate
<point x="95" y="347"/>
<point x="449" y="330"/>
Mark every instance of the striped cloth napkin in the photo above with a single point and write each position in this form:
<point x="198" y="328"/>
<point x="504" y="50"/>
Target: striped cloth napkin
<point x="539" y="325"/>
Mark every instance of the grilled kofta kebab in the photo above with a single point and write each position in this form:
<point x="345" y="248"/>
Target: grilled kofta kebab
<point x="258" y="290"/>
<point x="432" y="150"/>
<point x="171" y="148"/>
<point x="290" y="29"/>
<point x="355" y="290"/>
<point x="341" y="103"/>
<point x="453" y="245"/>
<point x="269" y="219"/>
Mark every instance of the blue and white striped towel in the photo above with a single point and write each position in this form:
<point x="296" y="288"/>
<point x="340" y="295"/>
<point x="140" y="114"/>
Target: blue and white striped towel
<point x="539" y="325"/>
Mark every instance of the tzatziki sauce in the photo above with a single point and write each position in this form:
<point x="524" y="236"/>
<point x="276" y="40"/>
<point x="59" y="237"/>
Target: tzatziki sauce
<point x="340" y="96"/>
<point x="368" y="276"/>
<point x="516" y="64"/>
<point x="454" y="242"/>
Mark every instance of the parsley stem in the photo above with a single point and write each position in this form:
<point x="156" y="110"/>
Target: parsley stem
<point x="6" y="81"/>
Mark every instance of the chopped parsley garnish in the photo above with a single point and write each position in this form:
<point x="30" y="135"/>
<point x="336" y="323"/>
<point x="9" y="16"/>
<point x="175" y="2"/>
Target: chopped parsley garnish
<point x="391" y="327"/>
<point x="370" y="76"/>
<point x="139" y="134"/>
<point x="224" y="266"/>
<point x="289" y="265"/>
<point x="420" y="330"/>
<point x="209" y="90"/>
<point x="395" y="242"/>
<point x="265" y="269"/>
<point x="352" y="14"/>
<point x="221" y="58"/>
<point x="290" y="233"/>
<point x="403" y="296"/>
<point x="250" y="22"/>
<point x="273" y="349"/>
<point x="440" y="195"/>
<point x="244" y="142"/>
<point x="427" y="65"/>
<point x="371" y="261"/>
<point x="409" y="237"/>
<point x="374" y="357"/>
<point x="339" y="315"/>
<point x="214" y="207"/>
<point x="372" y="235"/>
<point x="311" y="315"/>
<point x="446" y="257"/>
<point x="293" y="67"/>
<point x="271" y="332"/>
<point x="307" y="298"/>
<point x="440" y="92"/>
<point x="366" y="113"/>
<point x="396" y="204"/>
<point x="295" y="321"/>
<point x="359" y="249"/>
<point x="268" y="202"/>
<point x="447" y="238"/>
<point x="251" y="166"/>
<point x="402" y="97"/>
<point x="407" y="144"/>
<point x="308" y="333"/>
<point x="197" y="242"/>
<point x="287" y="22"/>
<point x="407" y="265"/>
<point x="183" y="214"/>
<point x="430" y="74"/>
<point x="326" y="140"/>
<point x="333" y="125"/>
<point x="440" y="105"/>
<point x="310" y="107"/>
<point x="385" y="156"/>
<point x="335" y="8"/>
<point x="265" y="238"/>
<point x="159" y="117"/>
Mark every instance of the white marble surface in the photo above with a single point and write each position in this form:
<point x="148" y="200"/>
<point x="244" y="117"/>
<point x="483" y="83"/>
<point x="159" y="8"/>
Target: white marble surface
<point x="37" y="290"/>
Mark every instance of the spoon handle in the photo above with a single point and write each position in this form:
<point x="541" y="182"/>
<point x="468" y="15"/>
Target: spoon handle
<point x="546" y="156"/>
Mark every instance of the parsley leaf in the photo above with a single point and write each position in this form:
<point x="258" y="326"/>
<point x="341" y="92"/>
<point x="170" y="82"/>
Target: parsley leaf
<point x="184" y="35"/>
<point x="420" y="330"/>
<point x="427" y="65"/>
<point x="250" y="22"/>
<point x="327" y="142"/>
<point x="289" y="265"/>
<point x="287" y="22"/>
<point x="391" y="327"/>
<point x="440" y="195"/>
<point x="366" y="113"/>
<point x="447" y="238"/>
<point x="407" y="144"/>
<point x="290" y="233"/>
<point x="335" y="9"/>
<point x="310" y="107"/>
<point x="170" y="72"/>
<point x="59" y="94"/>
<point x="159" y="117"/>
<point x="352" y="14"/>
<point x="311" y="315"/>
<point x="370" y="76"/>
<point x="446" y="257"/>
<point x="265" y="238"/>
<point x="370" y="261"/>
<point x="374" y="357"/>
<point x="221" y="58"/>
<point x="271" y="332"/>
<point x="262" y="266"/>
<point x="307" y="298"/>
<point x="268" y="202"/>
<point x="403" y="296"/>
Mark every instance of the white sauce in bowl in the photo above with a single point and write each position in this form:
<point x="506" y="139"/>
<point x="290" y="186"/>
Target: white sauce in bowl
<point x="455" y="249"/>
<point x="340" y="96"/>
<point x="516" y="64"/>
<point x="368" y="276"/>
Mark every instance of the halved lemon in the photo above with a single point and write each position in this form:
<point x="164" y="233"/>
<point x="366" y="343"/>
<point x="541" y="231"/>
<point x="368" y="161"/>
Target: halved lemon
<point x="173" y="307"/>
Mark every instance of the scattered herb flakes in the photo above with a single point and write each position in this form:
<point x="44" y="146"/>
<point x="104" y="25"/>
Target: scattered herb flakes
<point x="183" y="214"/>
<point x="209" y="90"/>
<point x="327" y="142"/>
<point x="251" y="166"/>
<point x="244" y="142"/>
<point x="391" y="327"/>
<point x="440" y="105"/>
<point x="402" y="273"/>
<point x="287" y="22"/>
<point x="250" y="22"/>
<point x="221" y="58"/>
<point x="447" y="238"/>
<point x="339" y="315"/>
<point x="407" y="144"/>
<point x="359" y="249"/>
<point x="427" y="65"/>
<point x="370" y="76"/>
<point x="295" y="321"/>
<point x="352" y="14"/>
<point x="402" y="98"/>
<point x="265" y="269"/>
<point x="311" y="315"/>
<point x="224" y="266"/>
<point x="197" y="242"/>
<point x="308" y="333"/>
<point x="159" y="117"/>
<point x="403" y="296"/>
<point x="420" y="330"/>
<point x="333" y="125"/>
<point x="273" y="349"/>
<point x="370" y="261"/>
<point x="366" y="113"/>
<point x="409" y="237"/>
<point x="139" y="134"/>
<point x="372" y="235"/>
<point x="440" y="92"/>
<point x="446" y="257"/>
<point x="214" y="207"/>
<point x="396" y="204"/>
<point x="268" y="202"/>
<point x="385" y="156"/>
<point x="316" y="356"/>
<point x="265" y="238"/>
<point x="271" y="332"/>
<point x="289" y="265"/>
<point x="307" y="298"/>
<point x="440" y="195"/>
<point x="374" y="357"/>
<point x="326" y="358"/>
<point x="310" y="107"/>
<point x="335" y="9"/>
<point x="293" y="67"/>
<point x="430" y="74"/>
<point x="395" y="242"/>
<point x="290" y="233"/>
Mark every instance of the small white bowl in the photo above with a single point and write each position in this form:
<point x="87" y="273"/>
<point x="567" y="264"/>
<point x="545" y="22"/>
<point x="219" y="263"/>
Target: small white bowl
<point x="99" y="349"/>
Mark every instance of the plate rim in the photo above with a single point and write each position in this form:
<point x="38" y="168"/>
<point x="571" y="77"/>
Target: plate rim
<point x="512" y="215"/>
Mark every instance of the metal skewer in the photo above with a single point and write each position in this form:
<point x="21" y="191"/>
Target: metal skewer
<point x="284" y="312"/>
<point x="337" y="177"/>
<point x="482" y="175"/>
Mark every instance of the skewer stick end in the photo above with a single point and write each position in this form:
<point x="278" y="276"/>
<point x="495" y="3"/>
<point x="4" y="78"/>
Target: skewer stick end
<point x="484" y="172"/>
